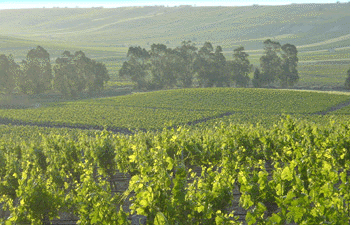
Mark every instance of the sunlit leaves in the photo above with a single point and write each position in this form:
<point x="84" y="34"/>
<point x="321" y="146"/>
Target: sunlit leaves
<point x="294" y="173"/>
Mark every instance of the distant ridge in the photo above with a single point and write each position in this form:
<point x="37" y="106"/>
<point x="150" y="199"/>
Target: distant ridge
<point x="299" y="24"/>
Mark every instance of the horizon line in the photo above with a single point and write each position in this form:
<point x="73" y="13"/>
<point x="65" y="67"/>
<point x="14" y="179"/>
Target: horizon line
<point x="167" y="6"/>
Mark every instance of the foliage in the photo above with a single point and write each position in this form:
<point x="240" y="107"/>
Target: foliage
<point x="37" y="72"/>
<point x="240" y="67"/>
<point x="270" y="62"/>
<point x="76" y="73"/>
<point x="9" y="73"/>
<point x="289" y="74"/>
<point x="185" y="63"/>
<point x="135" y="68"/>
<point x="163" y="67"/>
<point x="210" y="67"/>
<point x="279" y="63"/>
<point x="296" y="172"/>
<point x="257" y="80"/>
<point x="347" y="81"/>
<point x="175" y="107"/>
<point x="95" y="205"/>
<point x="72" y="74"/>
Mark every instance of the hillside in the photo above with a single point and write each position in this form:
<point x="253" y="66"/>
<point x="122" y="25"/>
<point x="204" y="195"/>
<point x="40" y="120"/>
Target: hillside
<point x="321" y="33"/>
<point x="169" y="108"/>
<point x="310" y="26"/>
<point x="198" y="156"/>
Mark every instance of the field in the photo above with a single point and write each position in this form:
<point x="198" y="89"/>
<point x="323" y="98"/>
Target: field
<point x="248" y="174"/>
<point x="155" y="110"/>
<point x="197" y="156"/>
<point x="240" y="137"/>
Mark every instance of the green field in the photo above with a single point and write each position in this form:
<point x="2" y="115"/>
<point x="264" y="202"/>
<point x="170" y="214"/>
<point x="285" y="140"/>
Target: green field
<point x="155" y="110"/>
<point x="267" y="156"/>
<point x="296" y="165"/>
<point x="324" y="75"/>
<point x="238" y="136"/>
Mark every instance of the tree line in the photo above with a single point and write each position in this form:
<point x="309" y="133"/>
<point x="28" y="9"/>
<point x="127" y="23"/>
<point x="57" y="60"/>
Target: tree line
<point x="187" y="66"/>
<point x="158" y="68"/>
<point x="71" y="74"/>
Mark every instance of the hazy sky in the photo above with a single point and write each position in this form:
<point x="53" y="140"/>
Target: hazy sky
<point x="15" y="4"/>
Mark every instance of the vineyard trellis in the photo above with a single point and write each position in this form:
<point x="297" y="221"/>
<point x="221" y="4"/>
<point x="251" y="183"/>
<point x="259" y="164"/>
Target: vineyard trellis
<point x="297" y="172"/>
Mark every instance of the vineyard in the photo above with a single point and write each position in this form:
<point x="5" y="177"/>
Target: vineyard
<point x="175" y="114"/>
<point x="190" y="156"/>
<point x="297" y="172"/>
<point x="171" y="108"/>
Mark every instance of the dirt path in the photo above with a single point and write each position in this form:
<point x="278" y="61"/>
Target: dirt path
<point x="6" y="121"/>
<point x="332" y="109"/>
<point x="204" y="119"/>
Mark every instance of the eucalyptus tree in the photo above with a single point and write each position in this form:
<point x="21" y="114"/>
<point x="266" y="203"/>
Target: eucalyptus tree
<point x="9" y="73"/>
<point x="219" y="68"/>
<point x="37" y="72"/>
<point x="136" y="67"/>
<point x="67" y="79"/>
<point x="289" y="74"/>
<point x="76" y="73"/>
<point x="203" y="65"/>
<point x="162" y="66"/>
<point x="210" y="66"/>
<point x="257" y="79"/>
<point x="186" y="55"/>
<point x="239" y="68"/>
<point x="278" y="64"/>
<point x="270" y="62"/>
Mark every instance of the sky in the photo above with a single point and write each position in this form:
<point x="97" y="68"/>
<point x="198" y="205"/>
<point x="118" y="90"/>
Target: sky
<point x="16" y="4"/>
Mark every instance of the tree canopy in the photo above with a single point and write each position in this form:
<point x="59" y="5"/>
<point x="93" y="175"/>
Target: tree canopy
<point x="76" y="73"/>
<point x="160" y="67"/>
<point x="73" y="74"/>
<point x="9" y="73"/>
<point x="184" y="66"/>
<point x="278" y="65"/>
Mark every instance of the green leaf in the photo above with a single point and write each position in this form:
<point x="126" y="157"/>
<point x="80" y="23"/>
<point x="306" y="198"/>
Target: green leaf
<point x="144" y="203"/>
<point x="140" y="211"/>
<point x="250" y="219"/>
<point x="170" y="163"/>
<point x="132" y="158"/>
<point x="134" y="179"/>
<point x="246" y="201"/>
<point x="219" y="220"/>
<point x="160" y="219"/>
<point x="200" y="208"/>
<point x="275" y="219"/>
<point x="278" y="189"/>
<point x="286" y="174"/>
<point x="66" y="185"/>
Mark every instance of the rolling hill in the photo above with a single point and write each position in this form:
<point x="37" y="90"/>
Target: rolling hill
<point x="321" y="33"/>
<point x="168" y="108"/>
<point x="308" y="26"/>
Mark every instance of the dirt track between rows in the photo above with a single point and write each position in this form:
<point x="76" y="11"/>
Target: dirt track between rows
<point x="332" y="109"/>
